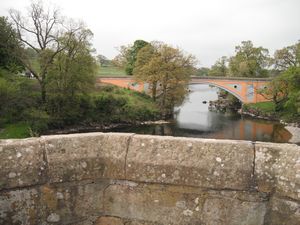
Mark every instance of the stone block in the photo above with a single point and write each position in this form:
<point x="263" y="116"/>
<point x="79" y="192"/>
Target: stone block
<point x="19" y="207"/>
<point x="218" y="164"/>
<point x="108" y="220"/>
<point x="52" y="204"/>
<point x="283" y="212"/>
<point x="277" y="168"/>
<point x="181" y="205"/>
<point x="86" y="156"/>
<point x="21" y="163"/>
<point x="68" y="204"/>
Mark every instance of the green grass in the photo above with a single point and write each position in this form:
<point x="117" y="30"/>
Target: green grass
<point x="111" y="71"/>
<point x="265" y="107"/>
<point x="17" y="130"/>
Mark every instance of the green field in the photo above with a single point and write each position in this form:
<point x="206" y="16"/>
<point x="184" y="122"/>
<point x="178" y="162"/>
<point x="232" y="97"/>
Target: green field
<point x="111" y="71"/>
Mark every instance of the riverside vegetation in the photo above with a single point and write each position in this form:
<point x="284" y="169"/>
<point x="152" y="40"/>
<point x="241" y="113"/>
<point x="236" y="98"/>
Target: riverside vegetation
<point x="58" y="55"/>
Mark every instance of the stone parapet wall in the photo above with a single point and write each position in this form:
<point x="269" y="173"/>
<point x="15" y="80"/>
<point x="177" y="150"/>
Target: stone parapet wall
<point x="129" y="179"/>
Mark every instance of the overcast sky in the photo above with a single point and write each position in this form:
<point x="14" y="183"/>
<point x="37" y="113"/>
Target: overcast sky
<point x="208" y="29"/>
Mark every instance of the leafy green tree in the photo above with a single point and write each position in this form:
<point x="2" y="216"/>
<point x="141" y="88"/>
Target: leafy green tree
<point x="73" y="69"/>
<point x="202" y="71"/>
<point x="287" y="57"/>
<point x="103" y="61"/>
<point x="219" y="68"/>
<point x="128" y="56"/>
<point x="71" y="75"/>
<point x="9" y="45"/>
<point x="249" y="61"/>
<point x="168" y="71"/>
<point x="42" y="32"/>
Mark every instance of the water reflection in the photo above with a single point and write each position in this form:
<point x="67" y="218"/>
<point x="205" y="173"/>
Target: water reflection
<point x="193" y="119"/>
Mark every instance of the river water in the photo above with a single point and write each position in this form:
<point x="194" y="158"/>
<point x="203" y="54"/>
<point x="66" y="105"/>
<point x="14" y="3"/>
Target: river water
<point x="193" y="119"/>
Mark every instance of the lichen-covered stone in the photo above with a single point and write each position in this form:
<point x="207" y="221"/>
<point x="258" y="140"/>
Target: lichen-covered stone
<point x="52" y="204"/>
<point x="108" y="220"/>
<point x="277" y="168"/>
<point x="19" y="207"/>
<point x="71" y="203"/>
<point x="86" y="156"/>
<point x="21" y="163"/>
<point x="207" y="163"/>
<point x="283" y="212"/>
<point x="179" y="206"/>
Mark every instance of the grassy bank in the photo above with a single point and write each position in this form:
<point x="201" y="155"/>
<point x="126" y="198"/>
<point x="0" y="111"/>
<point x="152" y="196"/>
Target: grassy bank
<point x="110" y="71"/>
<point x="107" y="105"/>
<point x="17" y="130"/>
<point x="268" y="110"/>
<point x="261" y="108"/>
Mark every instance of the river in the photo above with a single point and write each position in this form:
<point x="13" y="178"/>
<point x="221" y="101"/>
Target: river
<point x="193" y="119"/>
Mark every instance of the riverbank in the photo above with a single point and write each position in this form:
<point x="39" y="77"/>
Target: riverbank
<point x="102" y="128"/>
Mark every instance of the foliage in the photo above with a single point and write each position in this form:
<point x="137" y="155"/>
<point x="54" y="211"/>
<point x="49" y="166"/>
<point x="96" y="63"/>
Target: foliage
<point x="128" y="56"/>
<point x="73" y="69"/>
<point x="167" y="70"/>
<point x="203" y="71"/>
<point x="219" y="68"/>
<point x="102" y="60"/>
<point x="9" y="46"/>
<point x="15" y="96"/>
<point x="37" y="120"/>
<point x="45" y="33"/>
<point x="113" y="104"/>
<point x="249" y="61"/>
<point x="287" y="57"/>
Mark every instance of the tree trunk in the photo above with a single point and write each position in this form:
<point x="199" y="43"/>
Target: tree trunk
<point x="43" y="91"/>
<point x="154" y="88"/>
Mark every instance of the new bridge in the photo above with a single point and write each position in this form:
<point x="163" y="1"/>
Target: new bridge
<point x="247" y="90"/>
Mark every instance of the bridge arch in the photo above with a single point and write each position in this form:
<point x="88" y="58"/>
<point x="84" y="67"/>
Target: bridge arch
<point x="223" y="88"/>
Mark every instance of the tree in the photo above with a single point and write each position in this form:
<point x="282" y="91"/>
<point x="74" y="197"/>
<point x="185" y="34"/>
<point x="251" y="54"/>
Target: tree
<point x="219" y="68"/>
<point x="202" y="71"/>
<point x="167" y="70"/>
<point x="128" y="55"/>
<point x="73" y="69"/>
<point x="42" y="32"/>
<point x="9" y="43"/>
<point x="287" y="57"/>
<point x="249" y="61"/>
<point x="102" y="60"/>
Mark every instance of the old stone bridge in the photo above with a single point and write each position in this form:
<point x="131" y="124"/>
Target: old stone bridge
<point x="245" y="89"/>
<point x="130" y="179"/>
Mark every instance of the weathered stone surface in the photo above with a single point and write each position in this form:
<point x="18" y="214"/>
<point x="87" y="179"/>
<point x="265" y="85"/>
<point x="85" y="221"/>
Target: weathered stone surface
<point x="108" y="220"/>
<point x="52" y="204"/>
<point x="71" y="203"/>
<point x="177" y="205"/>
<point x="216" y="164"/>
<point x="277" y="168"/>
<point x="19" y="207"/>
<point x="21" y="163"/>
<point x="283" y="212"/>
<point x="86" y="156"/>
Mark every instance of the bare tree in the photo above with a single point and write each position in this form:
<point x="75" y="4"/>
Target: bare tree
<point x="42" y="32"/>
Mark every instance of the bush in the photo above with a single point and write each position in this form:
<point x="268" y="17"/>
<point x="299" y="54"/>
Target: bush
<point x="37" y="120"/>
